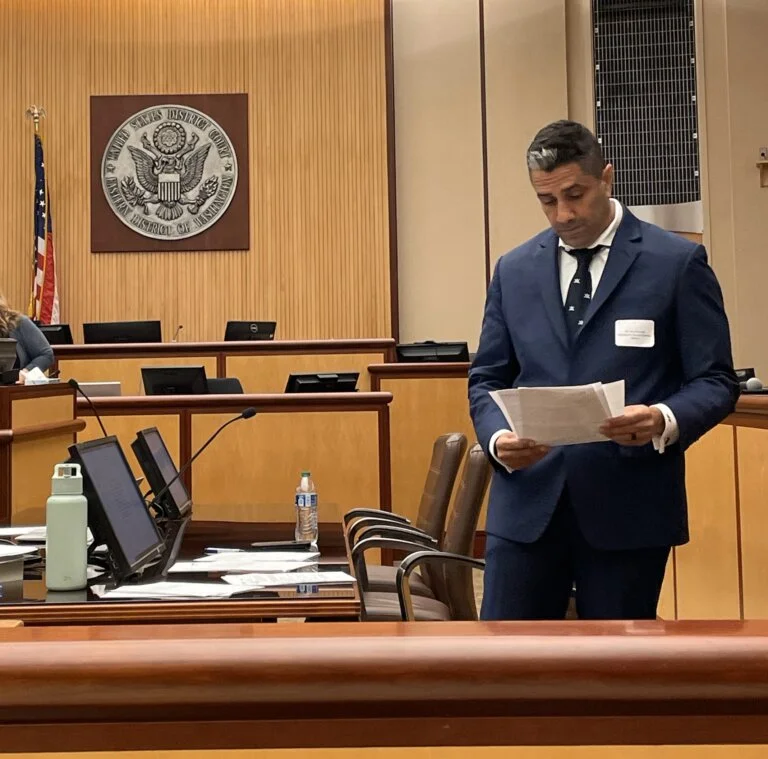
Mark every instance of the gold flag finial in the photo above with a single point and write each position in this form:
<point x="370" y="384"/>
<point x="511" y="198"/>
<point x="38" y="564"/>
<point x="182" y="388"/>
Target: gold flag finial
<point x="36" y="113"/>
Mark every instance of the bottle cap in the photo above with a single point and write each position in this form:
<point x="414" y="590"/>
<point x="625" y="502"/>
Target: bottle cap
<point x="67" y="480"/>
<point x="306" y="474"/>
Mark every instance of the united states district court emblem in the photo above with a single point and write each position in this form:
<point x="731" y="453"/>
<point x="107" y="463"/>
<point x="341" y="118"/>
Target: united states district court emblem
<point x="169" y="172"/>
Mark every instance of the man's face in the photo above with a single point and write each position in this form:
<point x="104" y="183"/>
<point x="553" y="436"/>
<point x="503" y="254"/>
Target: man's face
<point x="577" y="205"/>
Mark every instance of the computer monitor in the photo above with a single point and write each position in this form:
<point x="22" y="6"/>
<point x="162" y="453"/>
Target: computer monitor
<point x="57" y="334"/>
<point x="7" y="353"/>
<point x="431" y="351"/>
<point x="339" y="382"/>
<point x="122" y="332"/>
<point x="250" y="330"/>
<point x="174" y="380"/>
<point x="117" y="514"/>
<point x="159" y="469"/>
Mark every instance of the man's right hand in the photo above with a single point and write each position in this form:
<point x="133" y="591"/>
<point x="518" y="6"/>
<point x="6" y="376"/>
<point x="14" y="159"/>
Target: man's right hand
<point x="517" y="453"/>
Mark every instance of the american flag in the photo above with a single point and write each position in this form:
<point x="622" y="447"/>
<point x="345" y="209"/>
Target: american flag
<point x="44" y="300"/>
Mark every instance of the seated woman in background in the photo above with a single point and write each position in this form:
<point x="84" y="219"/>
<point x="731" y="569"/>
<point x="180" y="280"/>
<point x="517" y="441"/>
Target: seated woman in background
<point x="32" y="349"/>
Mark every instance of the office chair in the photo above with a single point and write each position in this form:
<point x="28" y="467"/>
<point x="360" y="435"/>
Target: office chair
<point x="447" y="453"/>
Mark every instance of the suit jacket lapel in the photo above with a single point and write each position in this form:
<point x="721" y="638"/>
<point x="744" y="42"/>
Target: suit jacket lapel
<point x="547" y="271"/>
<point x="623" y="252"/>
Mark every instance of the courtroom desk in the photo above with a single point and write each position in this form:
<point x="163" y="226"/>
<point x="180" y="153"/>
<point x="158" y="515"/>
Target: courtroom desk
<point x="37" y="424"/>
<point x="40" y="607"/>
<point x="628" y="689"/>
<point x="428" y="400"/>
<point x="250" y="473"/>
<point x="261" y="366"/>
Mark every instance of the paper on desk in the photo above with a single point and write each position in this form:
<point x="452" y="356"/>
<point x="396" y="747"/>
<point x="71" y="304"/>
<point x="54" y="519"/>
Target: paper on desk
<point x="262" y="566"/>
<point x="12" y="532"/>
<point x="165" y="589"/>
<point x="12" y="552"/>
<point x="287" y="580"/>
<point x="257" y="557"/>
<point x="561" y="415"/>
<point x="36" y="534"/>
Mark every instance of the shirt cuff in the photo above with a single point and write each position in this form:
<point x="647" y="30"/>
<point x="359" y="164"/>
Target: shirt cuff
<point x="492" y="448"/>
<point x="671" y="430"/>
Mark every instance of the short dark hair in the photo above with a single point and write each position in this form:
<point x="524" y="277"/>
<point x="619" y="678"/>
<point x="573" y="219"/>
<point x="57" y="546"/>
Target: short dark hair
<point x="565" y="142"/>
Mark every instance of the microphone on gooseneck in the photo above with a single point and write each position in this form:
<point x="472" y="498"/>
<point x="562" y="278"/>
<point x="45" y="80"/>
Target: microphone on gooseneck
<point x="74" y="383"/>
<point x="248" y="413"/>
<point x="176" y="333"/>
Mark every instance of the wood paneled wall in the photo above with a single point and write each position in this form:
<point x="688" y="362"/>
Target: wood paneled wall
<point x="314" y="71"/>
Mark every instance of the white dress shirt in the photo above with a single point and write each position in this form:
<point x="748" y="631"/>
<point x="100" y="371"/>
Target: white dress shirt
<point x="567" y="264"/>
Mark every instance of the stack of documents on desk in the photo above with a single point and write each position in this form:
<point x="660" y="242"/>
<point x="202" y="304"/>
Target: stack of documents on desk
<point x="561" y="415"/>
<point x="287" y="580"/>
<point x="249" y="561"/>
<point x="177" y="590"/>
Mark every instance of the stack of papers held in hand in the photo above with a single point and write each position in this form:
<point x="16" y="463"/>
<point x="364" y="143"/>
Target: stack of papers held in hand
<point x="561" y="415"/>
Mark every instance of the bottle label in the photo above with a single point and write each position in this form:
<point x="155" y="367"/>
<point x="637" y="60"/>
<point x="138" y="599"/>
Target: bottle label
<point x="306" y="500"/>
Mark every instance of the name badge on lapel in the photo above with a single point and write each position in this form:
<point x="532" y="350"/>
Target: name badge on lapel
<point x="635" y="333"/>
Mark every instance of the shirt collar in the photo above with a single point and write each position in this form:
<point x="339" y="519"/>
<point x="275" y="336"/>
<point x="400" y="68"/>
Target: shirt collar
<point x="606" y="238"/>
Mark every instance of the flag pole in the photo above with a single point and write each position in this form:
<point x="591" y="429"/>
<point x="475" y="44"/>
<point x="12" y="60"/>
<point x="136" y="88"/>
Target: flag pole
<point x="37" y="114"/>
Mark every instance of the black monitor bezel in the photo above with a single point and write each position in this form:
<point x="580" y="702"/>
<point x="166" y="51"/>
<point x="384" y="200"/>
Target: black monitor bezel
<point x="233" y="325"/>
<point x="147" y="371"/>
<point x="98" y="521"/>
<point x="154" y="475"/>
<point x="292" y="385"/>
<point x="151" y="325"/>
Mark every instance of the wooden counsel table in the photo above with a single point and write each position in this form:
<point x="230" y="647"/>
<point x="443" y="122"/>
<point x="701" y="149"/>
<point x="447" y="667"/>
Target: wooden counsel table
<point x="261" y="366"/>
<point x="616" y="689"/>
<point x="246" y="480"/>
<point x="37" y="424"/>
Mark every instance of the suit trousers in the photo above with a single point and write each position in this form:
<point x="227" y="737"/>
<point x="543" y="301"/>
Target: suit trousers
<point x="534" y="581"/>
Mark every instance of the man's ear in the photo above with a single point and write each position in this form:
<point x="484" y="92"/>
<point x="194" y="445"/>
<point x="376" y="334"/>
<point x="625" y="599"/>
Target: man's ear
<point x="607" y="178"/>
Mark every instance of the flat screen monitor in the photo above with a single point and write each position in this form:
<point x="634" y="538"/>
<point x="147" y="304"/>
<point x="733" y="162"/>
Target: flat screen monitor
<point x="174" y="380"/>
<point x="122" y="332"/>
<point x="117" y="514"/>
<point x="159" y="469"/>
<point x="340" y="382"/>
<point x="7" y="353"/>
<point x="57" y="334"/>
<point x="250" y="330"/>
<point x="430" y="351"/>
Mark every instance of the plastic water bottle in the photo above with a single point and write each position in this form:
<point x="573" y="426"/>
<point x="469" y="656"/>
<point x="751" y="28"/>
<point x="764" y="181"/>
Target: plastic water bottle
<point x="66" y="538"/>
<point x="306" y="509"/>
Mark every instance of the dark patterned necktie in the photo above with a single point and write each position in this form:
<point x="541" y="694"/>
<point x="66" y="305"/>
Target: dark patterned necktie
<point x="580" y="290"/>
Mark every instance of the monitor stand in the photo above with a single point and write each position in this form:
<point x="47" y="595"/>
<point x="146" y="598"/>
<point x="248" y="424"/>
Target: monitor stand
<point x="173" y="531"/>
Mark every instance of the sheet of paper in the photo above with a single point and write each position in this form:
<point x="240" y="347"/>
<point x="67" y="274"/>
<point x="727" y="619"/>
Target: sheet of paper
<point x="288" y="580"/>
<point x="258" y="557"/>
<point x="37" y="534"/>
<point x="12" y="552"/>
<point x="263" y="566"/>
<point x="167" y="589"/>
<point x="12" y="532"/>
<point x="561" y="415"/>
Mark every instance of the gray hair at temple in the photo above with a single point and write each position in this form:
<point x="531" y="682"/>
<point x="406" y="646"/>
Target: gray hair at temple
<point x="564" y="142"/>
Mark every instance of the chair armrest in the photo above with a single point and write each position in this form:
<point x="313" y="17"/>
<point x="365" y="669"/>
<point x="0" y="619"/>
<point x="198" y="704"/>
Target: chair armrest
<point x="415" y="560"/>
<point x="357" y="554"/>
<point x="365" y="522"/>
<point x="360" y="512"/>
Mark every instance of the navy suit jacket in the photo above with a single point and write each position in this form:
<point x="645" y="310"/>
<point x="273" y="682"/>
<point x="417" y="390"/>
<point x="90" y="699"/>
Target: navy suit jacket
<point x="623" y="497"/>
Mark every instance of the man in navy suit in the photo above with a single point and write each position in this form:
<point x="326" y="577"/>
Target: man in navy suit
<point x="601" y="296"/>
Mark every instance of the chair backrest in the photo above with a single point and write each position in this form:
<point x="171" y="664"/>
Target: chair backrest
<point x="224" y="386"/>
<point x="455" y="587"/>
<point x="447" y="453"/>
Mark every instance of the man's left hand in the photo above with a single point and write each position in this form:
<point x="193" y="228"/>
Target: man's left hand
<point x="637" y="426"/>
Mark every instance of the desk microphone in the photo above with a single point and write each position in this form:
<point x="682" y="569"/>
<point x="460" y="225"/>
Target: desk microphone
<point x="246" y="414"/>
<point x="74" y="383"/>
<point x="176" y="333"/>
